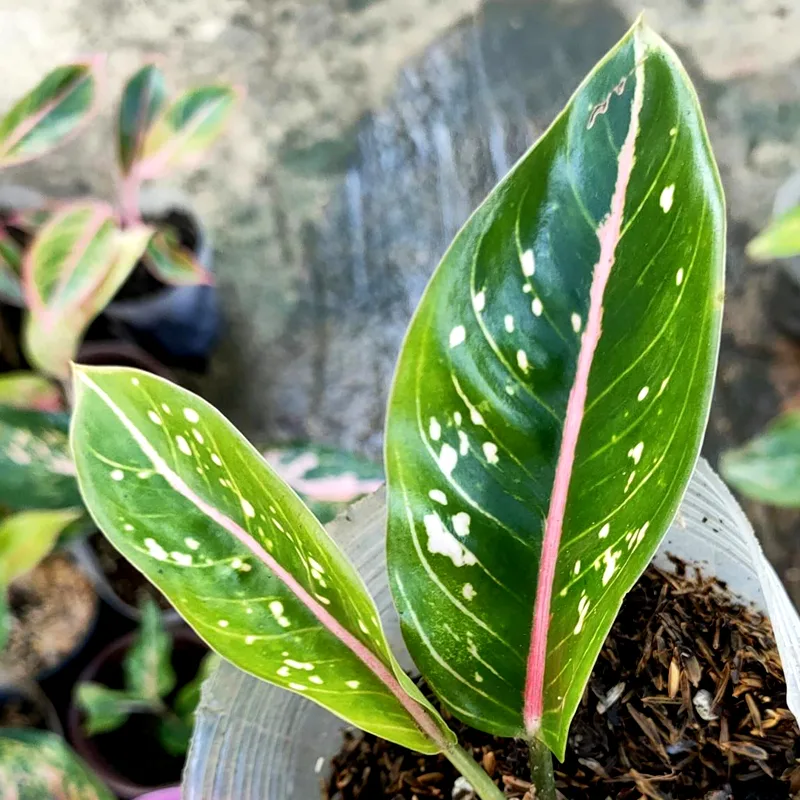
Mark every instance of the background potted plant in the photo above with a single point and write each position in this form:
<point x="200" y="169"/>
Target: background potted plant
<point x="152" y="255"/>
<point x="144" y="687"/>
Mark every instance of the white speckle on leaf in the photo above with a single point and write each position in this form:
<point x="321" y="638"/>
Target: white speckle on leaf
<point x="478" y="677"/>
<point x="183" y="445"/>
<point x="630" y="480"/>
<point x="144" y="474"/>
<point x="577" y="568"/>
<point x="352" y="684"/>
<point x="438" y="496"/>
<point x="223" y="623"/>
<point x="673" y="131"/>
<point x="314" y="564"/>
<point x="299" y="687"/>
<point x="434" y="429"/>
<point x="448" y="458"/>
<point x="191" y="415"/>
<point x="537" y="307"/>
<point x="528" y="263"/>
<point x="315" y="679"/>
<point x="604" y="531"/>
<point x="522" y="360"/>
<point x="490" y="451"/>
<point x="165" y="408"/>
<point x="636" y="452"/>
<point x="583" y="610"/>
<point x="184" y="559"/>
<point x="363" y="627"/>
<point x="306" y="665"/>
<point x="476" y="417"/>
<point x="135" y="381"/>
<point x="610" y="559"/>
<point x="643" y="392"/>
<point x="198" y="436"/>
<point x="192" y="544"/>
<point x="576" y="322"/>
<point x="463" y="443"/>
<point x="249" y="639"/>
<point x="284" y="672"/>
<point x="679" y="277"/>
<point x="509" y="323"/>
<point x="117" y="475"/>
<point x="457" y="336"/>
<point x="667" y="196"/>
<point x="468" y="591"/>
<point x="461" y="523"/>
<point x="324" y="600"/>
<point x="248" y="509"/>
<point x="457" y="418"/>
<point x="155" y="550"/>
<point x="154" y="417"/>
<point x="216" y="459"/>
<point x="637" y="538"/>
<point x="442" y="542"/>
<point x="663" y="386"/>
<point x="127" y="527"/>
<point x="479" y="301"/>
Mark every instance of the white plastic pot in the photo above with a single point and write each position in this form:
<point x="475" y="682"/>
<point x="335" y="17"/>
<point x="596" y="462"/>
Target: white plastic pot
<point x="254" y="741"/>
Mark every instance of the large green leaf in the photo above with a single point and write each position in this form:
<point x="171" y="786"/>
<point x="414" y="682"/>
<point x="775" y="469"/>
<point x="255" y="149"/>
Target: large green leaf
<point x="36" y="765"/>
<point x="50" y="113"/>
<point x="780" y="239"/>
<point x="74" y="268"/>
<point x="27" y="537"/>
<point x="768" y="467"/>
<point x="142" y="99"/>
<point x="186" y="129"/>
<point x="552" y="394"/>
<point x="36" y="469"/>
<point x="188" y="501"/>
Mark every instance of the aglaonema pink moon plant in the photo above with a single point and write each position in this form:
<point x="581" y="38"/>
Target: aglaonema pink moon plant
<point x="545" y="418"/>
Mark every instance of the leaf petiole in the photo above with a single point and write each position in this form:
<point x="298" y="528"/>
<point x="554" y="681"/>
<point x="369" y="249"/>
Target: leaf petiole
<point x="542" y="778"/>
<point x="481" y="783"/>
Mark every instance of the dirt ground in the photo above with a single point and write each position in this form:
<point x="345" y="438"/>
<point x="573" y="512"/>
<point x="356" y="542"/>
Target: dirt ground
<point x="370" y="130"/>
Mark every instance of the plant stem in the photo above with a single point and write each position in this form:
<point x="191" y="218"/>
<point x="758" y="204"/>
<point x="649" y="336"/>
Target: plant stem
<point x="483" y="785"/>
<point x="542" y="779"/>
<point x="129" y="199"/>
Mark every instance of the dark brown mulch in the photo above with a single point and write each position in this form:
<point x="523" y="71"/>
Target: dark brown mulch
<point x="686" y="702"/>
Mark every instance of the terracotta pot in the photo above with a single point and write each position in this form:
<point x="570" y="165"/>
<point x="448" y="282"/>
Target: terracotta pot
<point x="91" y="749"/>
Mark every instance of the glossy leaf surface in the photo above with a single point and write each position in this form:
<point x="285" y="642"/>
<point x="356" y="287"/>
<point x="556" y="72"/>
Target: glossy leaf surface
<point x="27" y="537"/>
<point x="25" y="389"/>
<point x="35" y="765"/>
<point x="76" y="265"/>
<point x="173" y="264"/>
<point x="142" y="99"/>
<point x="552" y="394"/>
<point x="36" y="469"/>
<point x="328" y="480"/>
<point x="767" y="469"/>
<point x="780" y="239"/>
<point x="49" y="114"/>
<point x="148" y="664"/>
<point x="183" y="496"/>
<point x="186" y="129"/>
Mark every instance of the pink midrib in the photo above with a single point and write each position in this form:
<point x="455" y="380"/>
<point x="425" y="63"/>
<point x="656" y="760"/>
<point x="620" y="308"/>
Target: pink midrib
<point x="323" y="616"/>
<point x="608" y="234"/>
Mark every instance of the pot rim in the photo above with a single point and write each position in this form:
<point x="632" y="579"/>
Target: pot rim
<point x="83" y="744"/>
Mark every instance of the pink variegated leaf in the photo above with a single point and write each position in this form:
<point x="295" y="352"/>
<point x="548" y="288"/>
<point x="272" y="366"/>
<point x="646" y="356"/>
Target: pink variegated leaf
<point x="74" y="268"/>
<point x="552" y="395"/>
<point x="174" y="264"/>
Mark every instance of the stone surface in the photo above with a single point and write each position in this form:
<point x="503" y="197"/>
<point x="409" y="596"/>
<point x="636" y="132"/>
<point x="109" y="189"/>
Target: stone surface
<point x="371" y="128"/>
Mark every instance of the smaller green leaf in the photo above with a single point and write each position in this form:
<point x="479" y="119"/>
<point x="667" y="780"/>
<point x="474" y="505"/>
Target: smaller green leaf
<point x="174" y="734"/>
<point x="768" y="467"/>
<point x="780" y="239"/>
<point x="50" y="113"/>
<point x="188" y="696"/>
<point x="186" y="129"/>
<point x="38" y="765"/>
<point x="142" y="99"/>
<point x="148" y="664"/>
<point x="27" y="390"/>
<point x="106" y="709"/>
<point x="76" y="265"/>
<point x="327" y="479"/>
<point x="173" y="264"/>
<point x="36" y="468"/>
<point x="10" y="268"/>
<point x="27" y="537"/>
